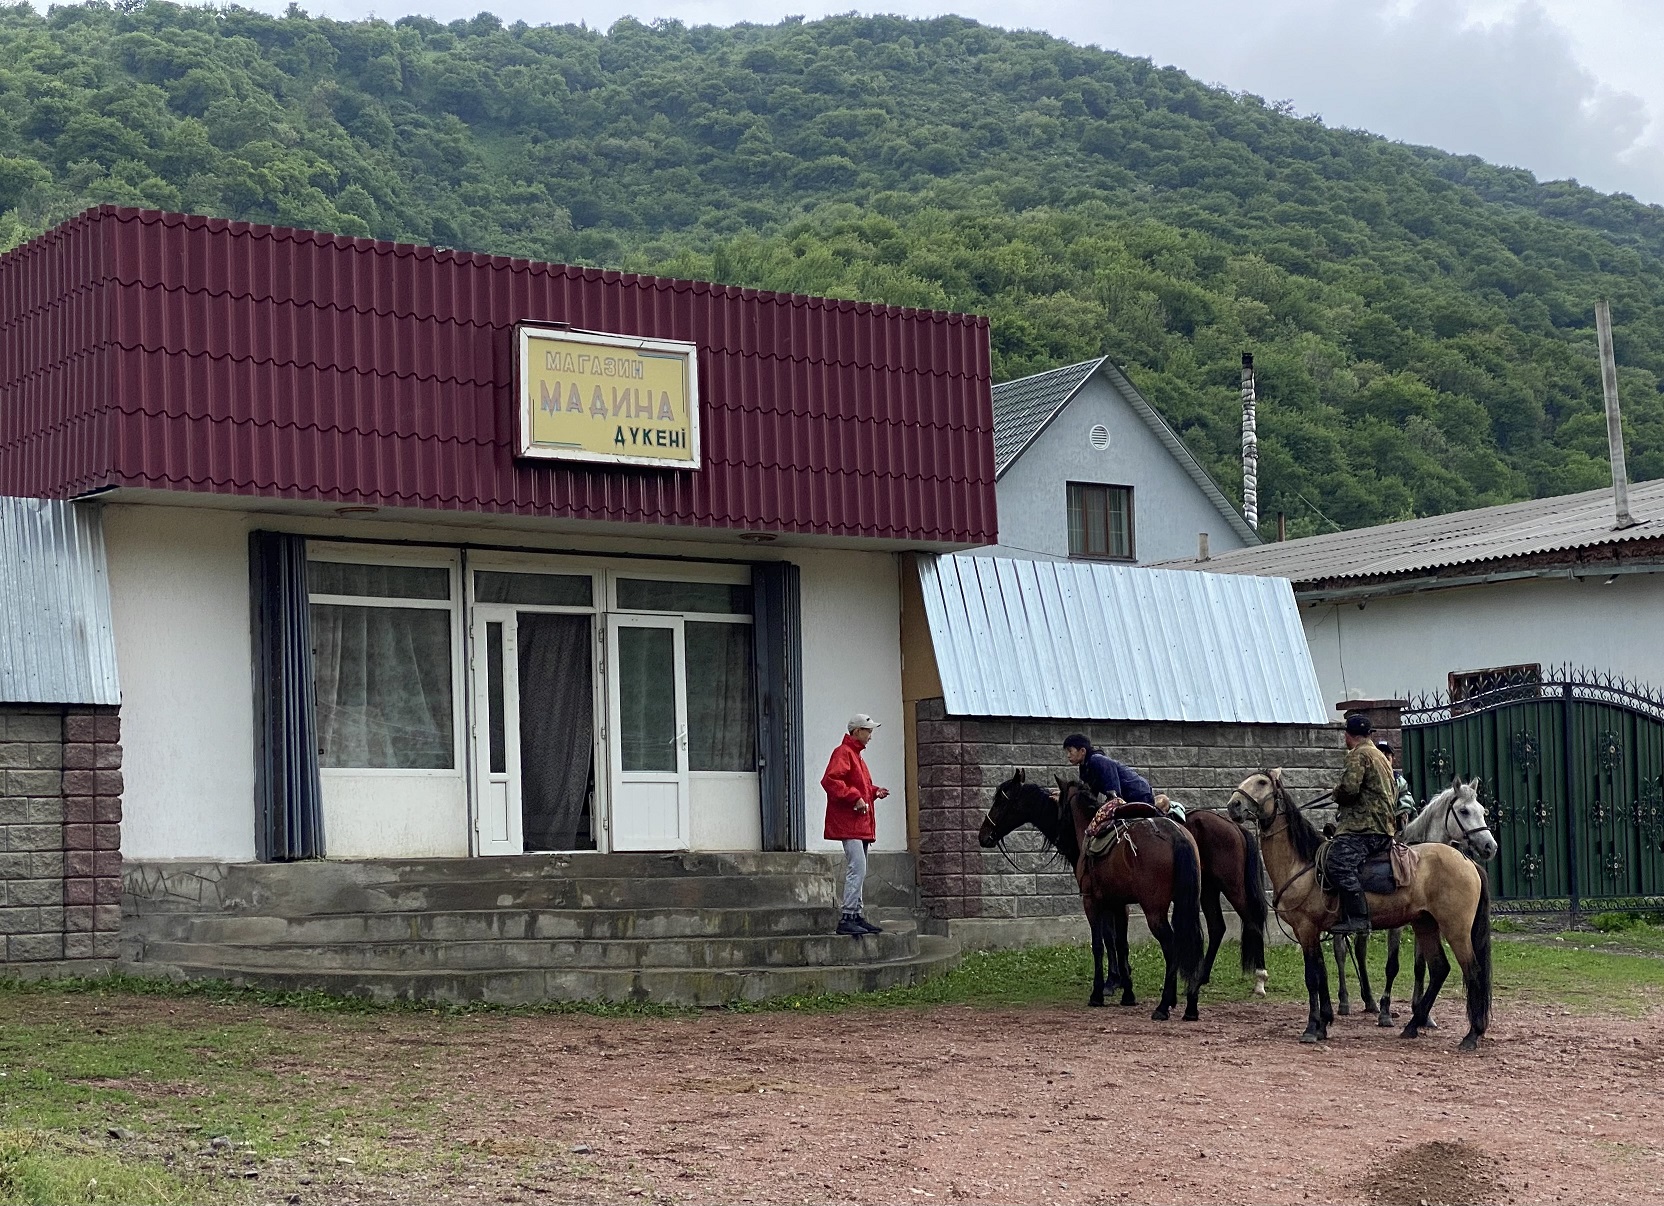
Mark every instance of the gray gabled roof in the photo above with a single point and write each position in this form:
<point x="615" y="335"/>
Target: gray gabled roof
<point x="1422" y="546"/>
<point x="1026" y="407"/>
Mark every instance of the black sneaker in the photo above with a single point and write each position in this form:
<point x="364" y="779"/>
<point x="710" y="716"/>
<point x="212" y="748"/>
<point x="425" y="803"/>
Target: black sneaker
<point x="869" y="927"/>
<point x="851" y="925"/>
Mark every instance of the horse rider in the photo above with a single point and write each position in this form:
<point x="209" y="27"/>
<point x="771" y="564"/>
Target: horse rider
<point x="1102" y="774"/>
<point x="1406" y="797"/>
<point x="1365" y="799"/>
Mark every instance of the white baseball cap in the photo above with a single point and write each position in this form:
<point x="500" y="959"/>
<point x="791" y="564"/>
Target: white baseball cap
<point x="861" y="721"/>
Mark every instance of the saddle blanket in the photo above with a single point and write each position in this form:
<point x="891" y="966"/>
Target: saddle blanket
<point x="1109" y="825"/>
<point x="1383" y="874"/>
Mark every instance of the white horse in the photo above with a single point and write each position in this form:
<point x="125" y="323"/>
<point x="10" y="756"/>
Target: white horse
<point x="1454" y="817"/>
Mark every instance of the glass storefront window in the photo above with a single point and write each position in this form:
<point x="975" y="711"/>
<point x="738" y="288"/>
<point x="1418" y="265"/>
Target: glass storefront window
<point x="378" y="581"/>
<point x="540" y="590"/>
<point x="722" y="717"/>
<point x="709" y="598"/>
<point x="383" y="677"/>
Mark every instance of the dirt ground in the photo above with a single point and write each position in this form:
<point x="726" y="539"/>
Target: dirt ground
<point x="1045" y="1106"/>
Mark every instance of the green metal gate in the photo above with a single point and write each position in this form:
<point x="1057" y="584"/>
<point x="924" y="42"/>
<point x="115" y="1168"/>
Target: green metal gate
<point x="1572" y="772"/>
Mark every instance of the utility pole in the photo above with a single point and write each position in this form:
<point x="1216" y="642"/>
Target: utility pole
<point x="1250" y="446"/>
<point x="1614" y="420"/>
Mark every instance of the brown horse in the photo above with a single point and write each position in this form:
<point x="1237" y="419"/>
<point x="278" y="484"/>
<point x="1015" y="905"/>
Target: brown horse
<point x="1155" y="867"/>
<point x="1231" y="869"/>
<point x="1448" y="897"/>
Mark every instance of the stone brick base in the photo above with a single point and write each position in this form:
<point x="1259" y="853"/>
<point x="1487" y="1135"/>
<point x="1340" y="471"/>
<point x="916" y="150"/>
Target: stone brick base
<point x="60" y="832"/>
<point x="962" y="760"/>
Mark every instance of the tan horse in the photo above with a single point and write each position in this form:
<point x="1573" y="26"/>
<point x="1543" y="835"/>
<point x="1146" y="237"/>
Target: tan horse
<point x="1449" y="898"/>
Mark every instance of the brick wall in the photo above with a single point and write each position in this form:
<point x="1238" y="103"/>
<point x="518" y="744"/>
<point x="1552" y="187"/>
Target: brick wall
<point x="60" y="832"/>
<point x="961" y="762"/>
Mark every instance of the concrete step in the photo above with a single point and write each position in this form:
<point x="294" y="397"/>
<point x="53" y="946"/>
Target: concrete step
<point x="803" y="950"/>
<point x="305" y="896"/>
<point x="462" y="925"/>
<point x="525" y="986"/>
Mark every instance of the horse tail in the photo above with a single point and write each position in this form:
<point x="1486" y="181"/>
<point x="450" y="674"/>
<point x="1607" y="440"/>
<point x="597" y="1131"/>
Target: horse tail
<point x="1479" y="977"/>
<point x="1189" y="942"/>
<point x="1254" y="912"/>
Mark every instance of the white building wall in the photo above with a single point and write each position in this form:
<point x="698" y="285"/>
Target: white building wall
<point x="852" y="663"/>
<point x="1169" y="509"/>
<point x="1408" y="644"/>
<point x="180" y="602"/>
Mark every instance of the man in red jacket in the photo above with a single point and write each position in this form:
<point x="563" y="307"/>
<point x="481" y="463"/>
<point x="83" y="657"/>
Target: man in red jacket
<point x="850" y="796"/>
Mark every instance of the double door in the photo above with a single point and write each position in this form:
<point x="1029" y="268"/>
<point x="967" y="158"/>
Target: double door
<point x="548" y="776"/>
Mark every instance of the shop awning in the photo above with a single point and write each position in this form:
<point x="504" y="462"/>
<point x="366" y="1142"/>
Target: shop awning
<point x="1089" y="641"/>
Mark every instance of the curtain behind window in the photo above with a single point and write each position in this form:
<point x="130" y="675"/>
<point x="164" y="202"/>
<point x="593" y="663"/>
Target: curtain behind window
<point x="557" y="730"/>
<point x="384" y="687"/>
<point x="722" y="708"/>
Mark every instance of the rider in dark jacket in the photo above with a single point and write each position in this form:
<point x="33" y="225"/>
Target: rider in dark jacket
<point x="1104" y="775"/>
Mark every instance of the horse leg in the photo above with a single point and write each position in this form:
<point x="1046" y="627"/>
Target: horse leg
<point x="1215" y="914"/>
<point x="1163" y="934"/>
<point x="1123" y="954"/>
<point x="1393" y="937"/>
<point x="1360" y="955"/>
<point x="1421" y="978"/>
<point x="1341" y="947"/>
<point x="1429" y="948"/>
<point x="1317" y="993"/>
<point x="1095" y="920"/>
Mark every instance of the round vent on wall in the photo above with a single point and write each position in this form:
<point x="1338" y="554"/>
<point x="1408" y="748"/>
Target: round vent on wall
<point x="1098" y="437"/>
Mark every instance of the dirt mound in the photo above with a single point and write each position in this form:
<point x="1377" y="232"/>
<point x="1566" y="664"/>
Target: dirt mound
<point x="1435" y="1174"/>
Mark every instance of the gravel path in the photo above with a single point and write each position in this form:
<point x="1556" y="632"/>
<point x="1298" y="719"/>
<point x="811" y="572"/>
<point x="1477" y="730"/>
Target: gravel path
<point x="1059" y="1105"/>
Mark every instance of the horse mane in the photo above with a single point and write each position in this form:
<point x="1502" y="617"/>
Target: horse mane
<point x="1301" y="832"/>
<point x="1050" y="846"/>
<point x="1415" y="829"/>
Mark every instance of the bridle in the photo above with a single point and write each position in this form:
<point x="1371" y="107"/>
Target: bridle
<point x="1450" y="814"/>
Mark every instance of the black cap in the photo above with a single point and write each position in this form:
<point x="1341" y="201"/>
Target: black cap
<point x="1385" y="747"/>
<point x="1357" y="725"/>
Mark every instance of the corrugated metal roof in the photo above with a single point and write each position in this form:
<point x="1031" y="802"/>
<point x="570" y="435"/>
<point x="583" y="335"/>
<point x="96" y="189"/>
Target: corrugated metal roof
<point x="165" y="351"/>
<point x="57" y="644"/>
<point x="1088" y="641"/>
<point x="1025" y="407"/>
<point x="1522" y="529"/>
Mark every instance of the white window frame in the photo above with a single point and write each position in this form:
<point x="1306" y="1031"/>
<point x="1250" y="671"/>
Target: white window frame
<point x="416" y="558"/>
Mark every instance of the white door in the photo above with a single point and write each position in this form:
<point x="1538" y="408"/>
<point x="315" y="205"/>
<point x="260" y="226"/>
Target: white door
<point x="648" y="712"/>
<point x="496" y="732"/>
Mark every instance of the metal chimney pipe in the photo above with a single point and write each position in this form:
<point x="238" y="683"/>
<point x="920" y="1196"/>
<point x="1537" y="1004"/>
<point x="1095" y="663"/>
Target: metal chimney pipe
<point x="1614" y="420"/>
<point x="1250" y="446"/>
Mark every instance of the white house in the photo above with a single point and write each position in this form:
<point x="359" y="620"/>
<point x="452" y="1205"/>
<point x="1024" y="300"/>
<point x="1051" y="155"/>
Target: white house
<point x="1086" y="468"/>
<point x="1457" y="602"/>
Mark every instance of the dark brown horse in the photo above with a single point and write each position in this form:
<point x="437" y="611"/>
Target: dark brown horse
<point x="1231" y="868"/>
<point x="1155" y="867"/>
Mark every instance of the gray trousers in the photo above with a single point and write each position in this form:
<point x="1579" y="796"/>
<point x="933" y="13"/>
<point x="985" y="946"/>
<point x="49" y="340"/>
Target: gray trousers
<point x="855" y="873"/>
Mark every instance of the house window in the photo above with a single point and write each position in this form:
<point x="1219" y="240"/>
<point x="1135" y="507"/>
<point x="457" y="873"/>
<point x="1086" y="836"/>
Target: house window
<point x="1100" y="521"/>
<point x="1497" y="683"/>
<point x="381" y="650"/>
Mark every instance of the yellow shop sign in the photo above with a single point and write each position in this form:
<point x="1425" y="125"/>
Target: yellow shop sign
<point x="610" y="398"/>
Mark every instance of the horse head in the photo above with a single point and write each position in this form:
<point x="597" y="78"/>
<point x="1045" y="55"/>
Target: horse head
<point x="1463" y="822"/>
<point x="1017" y="802"/>
<point x="1255" y="798"/>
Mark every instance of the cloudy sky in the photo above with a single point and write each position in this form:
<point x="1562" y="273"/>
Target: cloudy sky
<point x="1566" y="88"/>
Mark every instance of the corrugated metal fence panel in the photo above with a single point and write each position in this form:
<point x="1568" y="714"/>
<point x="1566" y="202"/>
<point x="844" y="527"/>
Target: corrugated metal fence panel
<point x="57" y="644"/>
<point x="265" y="361"/>
<point x="1088" y="641"/>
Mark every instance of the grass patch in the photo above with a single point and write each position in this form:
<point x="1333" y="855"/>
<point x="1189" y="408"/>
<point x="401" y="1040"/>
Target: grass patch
<point x="42" y="1167"/>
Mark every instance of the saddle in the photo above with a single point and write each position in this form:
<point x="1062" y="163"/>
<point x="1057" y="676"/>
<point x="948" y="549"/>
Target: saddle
<point x="1109" y="825"/>
<point x="1381" y="875"/>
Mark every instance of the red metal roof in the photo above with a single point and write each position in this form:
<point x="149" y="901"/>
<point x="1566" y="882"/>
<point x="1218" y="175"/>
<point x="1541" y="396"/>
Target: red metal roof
<point x="166" y="351"/>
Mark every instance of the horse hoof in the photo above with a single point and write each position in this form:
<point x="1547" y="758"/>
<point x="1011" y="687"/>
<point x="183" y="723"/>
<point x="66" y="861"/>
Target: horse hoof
<point x="1430" y="1024"/>
<point x="1386" y="1021"/>
<point x="1095" y="1002"/>
<point x="1311" y="1036"/>
<point x="1260" y="977"/>
<point x="1127" y="1002"/>
<point x="1470" y="1043"/>
<point x="1160" y="1015"/>
<point x="1345" y="1009"/>
<point x="1191" y="1015"/>
<point x="1410" y="1031"/>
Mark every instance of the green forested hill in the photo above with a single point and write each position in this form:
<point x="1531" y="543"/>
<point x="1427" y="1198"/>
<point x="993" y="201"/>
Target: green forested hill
<point x="1421" y="321"/>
